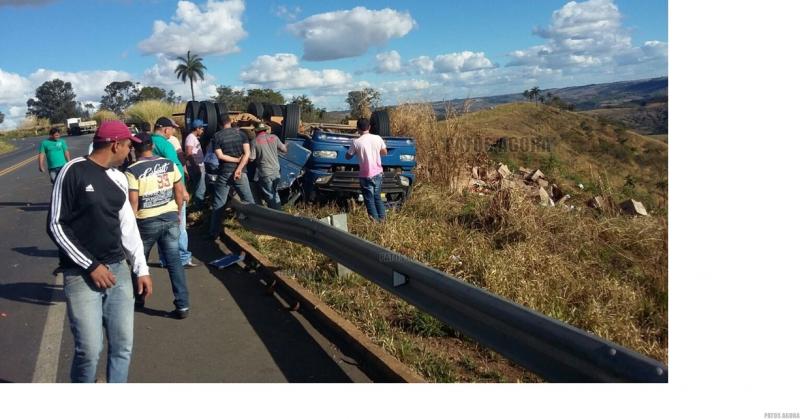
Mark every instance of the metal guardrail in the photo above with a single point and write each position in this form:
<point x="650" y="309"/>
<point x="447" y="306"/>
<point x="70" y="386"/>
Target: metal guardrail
<point x="550" y="348"/>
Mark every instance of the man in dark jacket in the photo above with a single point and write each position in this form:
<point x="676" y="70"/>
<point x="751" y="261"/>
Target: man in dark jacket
<point x="94" y="227"/>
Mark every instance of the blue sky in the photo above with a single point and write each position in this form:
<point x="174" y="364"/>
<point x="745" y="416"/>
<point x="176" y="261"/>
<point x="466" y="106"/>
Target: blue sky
<point x="410" y="50"/>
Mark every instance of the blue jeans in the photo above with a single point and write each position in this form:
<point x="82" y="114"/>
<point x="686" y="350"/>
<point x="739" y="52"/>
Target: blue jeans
<point x="183" y="242"/>
<point x="371" y="189"/>
<point x="166" y="233"/>
<point x="197" y="184"/>
<point x="54" y="173"/>
<point x="269" y="186"/>
<point x="90" y="311"/>
<point x="221" y="188"/>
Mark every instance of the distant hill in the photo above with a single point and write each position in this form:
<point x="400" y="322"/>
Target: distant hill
<point x="639" y="104"/>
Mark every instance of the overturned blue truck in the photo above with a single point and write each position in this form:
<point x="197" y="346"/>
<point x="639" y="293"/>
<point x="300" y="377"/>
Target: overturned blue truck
<point x="315" y="169"/>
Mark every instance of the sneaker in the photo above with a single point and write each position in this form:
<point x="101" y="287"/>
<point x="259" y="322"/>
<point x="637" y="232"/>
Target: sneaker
<point x="179" y="313"/>
<point x="190" y="264"/>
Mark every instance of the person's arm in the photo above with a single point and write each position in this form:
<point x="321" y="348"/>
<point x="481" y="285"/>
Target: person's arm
<point x="351" y="151"/>
<point x="41" y="161"/>
<point x="65" y="193"/>
<point x="281" y="146"/>
<point x="383" y="151"/>
<point x="133" y="247"/>
<point x="133" y="198"/>
<point x="243" y="161"/>
<point x="66" y="151"/>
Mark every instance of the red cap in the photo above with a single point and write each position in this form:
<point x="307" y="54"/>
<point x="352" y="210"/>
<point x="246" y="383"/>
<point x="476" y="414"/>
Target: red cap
<point x="113" y="130"/>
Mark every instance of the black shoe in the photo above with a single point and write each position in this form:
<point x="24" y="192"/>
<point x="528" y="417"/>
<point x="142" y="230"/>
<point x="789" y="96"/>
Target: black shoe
<point x="179" y="313"/>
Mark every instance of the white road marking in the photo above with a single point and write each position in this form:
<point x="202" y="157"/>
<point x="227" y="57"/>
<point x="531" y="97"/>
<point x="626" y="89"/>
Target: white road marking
<point x="50" y="348"/>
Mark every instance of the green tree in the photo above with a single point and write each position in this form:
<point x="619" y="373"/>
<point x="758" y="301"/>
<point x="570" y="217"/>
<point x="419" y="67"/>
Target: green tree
<point x="119" y="96"/>
<point x="55" y="100"/>
<point x="362" y="102"/>
<point x="151" y="93"/>
<point x="308" y="112"/>
<point x="533" y="93"/>
<point x="191" y="68"/>
<point x="232" y="98"/>
<point x="265" y="95"/>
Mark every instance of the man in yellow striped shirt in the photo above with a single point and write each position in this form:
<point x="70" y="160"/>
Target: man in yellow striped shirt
<point x="156" y="193"/>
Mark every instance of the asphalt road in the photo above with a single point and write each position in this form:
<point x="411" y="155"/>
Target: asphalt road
<point x="235" y="332"/>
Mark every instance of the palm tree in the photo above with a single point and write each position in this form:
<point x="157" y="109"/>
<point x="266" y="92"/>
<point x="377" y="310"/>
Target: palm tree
<point x="190" y="68"/>
<point x="535" y="92"/>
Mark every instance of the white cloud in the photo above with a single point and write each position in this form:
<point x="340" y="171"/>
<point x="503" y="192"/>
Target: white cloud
<point x="461" y="61"/>
<point x="287" y="12"/>
<point x="210" y="30"/>
<point x="349" y="33"/>
<point x="422" y="64"/>
<point x="389" y="62"/>
<point x="589" y="38"/>
<point x="88" y="85"/>
<point x="13" y="88"/>
<point x="283" y="71"/>
<point x="402" y="86"/>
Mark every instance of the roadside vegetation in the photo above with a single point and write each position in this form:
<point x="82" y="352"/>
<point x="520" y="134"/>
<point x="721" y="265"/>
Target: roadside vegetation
<point x="605" y="273"/>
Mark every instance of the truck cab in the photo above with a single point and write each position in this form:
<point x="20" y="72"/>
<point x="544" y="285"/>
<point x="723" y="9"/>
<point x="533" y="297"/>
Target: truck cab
<point x="329" y="174"/>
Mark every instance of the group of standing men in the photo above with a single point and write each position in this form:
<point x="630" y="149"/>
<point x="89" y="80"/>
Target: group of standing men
<point x="101" y="218"/>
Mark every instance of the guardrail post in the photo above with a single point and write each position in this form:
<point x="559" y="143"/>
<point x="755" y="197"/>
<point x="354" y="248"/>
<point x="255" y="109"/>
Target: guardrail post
<point x="338" y="221"/>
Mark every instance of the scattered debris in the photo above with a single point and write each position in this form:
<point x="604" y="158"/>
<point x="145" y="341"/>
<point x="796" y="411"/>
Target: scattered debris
<point x="544" y="198"/>
<point x="633" y="207"/>
<point x="556" y="192"/>
<point x="504" y="172"/>
<point x="535" y="185"/>
<point x="536" y="175"/>
<point x="599" y="203"/>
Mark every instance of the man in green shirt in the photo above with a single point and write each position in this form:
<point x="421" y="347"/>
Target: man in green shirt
<point x="165" y="128"/>
<point x="54" y="149"/>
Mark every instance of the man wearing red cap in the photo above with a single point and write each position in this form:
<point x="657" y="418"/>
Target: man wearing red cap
<point x="94" y="227"/>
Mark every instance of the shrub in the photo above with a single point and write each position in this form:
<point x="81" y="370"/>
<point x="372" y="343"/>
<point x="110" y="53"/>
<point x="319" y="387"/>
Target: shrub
<point x="104" y="115"/>
<point x="150" y="110"/>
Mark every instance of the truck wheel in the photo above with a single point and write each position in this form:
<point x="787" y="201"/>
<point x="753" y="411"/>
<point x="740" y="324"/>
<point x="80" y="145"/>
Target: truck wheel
<point x="271" y="110"/>
<point x="222" y="109"/>
<point x="208" y="113"/>
<point x="256" y="109"/>
<point x="191" y="113"/>
<point x="379" y="123"/>
<point x="291" y="121"/>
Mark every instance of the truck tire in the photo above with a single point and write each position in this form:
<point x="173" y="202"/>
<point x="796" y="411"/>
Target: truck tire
<point x="379" y="123"/>
<point x="256" y="109"/>
<point x="271" y="110"/>
<point x="191" y="113"/>
<point x="222" y="109"/>
<point x="208" y="113"/>
<point x="291" y="121"/>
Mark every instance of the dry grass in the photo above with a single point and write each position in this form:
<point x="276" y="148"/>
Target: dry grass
<point x="104" y="115"/>
<point x="34" y="123"/>
<point x="150" y="110"/>
<point x="605" y="274"/>
<point x="5" y="146"/>
<point x="443" y="147"/>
